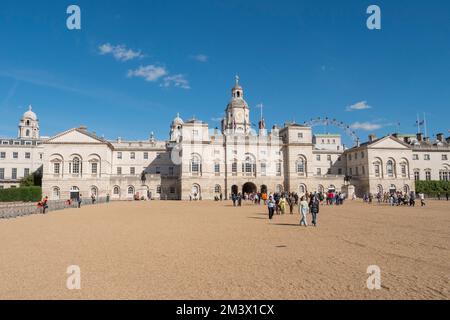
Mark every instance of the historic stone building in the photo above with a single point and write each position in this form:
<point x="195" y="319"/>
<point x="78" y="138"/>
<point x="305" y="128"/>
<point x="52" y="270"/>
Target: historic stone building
<point x="201" y="162"/>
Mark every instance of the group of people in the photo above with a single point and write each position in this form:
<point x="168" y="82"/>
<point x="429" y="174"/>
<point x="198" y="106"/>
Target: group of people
<point x="396" y="198"/>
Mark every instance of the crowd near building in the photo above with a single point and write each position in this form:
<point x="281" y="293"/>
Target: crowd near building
<point x="198" y="162"/>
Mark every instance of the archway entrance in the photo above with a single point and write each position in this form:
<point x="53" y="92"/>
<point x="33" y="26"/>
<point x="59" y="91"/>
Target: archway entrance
<point x="248" y="188"/>
<point x="74" y="193"/>
<point x="234" y="189"/>
<point x="264" y="189"/>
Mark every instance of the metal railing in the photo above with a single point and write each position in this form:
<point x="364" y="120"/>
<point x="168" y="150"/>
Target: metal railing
<point x="14" y="210"/>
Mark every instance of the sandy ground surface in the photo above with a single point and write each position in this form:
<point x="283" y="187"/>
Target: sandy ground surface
<point x="207" y="250"/>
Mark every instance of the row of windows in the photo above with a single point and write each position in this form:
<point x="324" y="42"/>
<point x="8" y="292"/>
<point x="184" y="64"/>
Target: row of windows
<point x="26" y="172"/>
<point x="248" y="167"/>
<point x="132" y="170"/>
<point x="329" y="158"/>
<point x="427" y="157"/>
<point x="15" y="155"/>
<point x="19" y="143"/>
<point x="444" y="175"/>
<point x="132" y="155"/>
<point x="355" y="155"/>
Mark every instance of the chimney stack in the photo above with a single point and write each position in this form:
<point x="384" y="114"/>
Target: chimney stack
<point x="372" y="137"/>
<point x="440" y="137"/>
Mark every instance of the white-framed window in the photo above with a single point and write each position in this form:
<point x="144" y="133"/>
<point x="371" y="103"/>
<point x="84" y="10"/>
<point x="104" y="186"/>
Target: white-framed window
<point x="416" y="175"/>
<point x="55" y="193"/>
<point x="119" y="155"/>
<point x="57" y="167"/>
<point x="26" y="172"/>
<point x="403" y="169"/>
<point x="27" y="155"/>
<point x="300" y="135"/>
<point x="130" y="190"/>
<point x="132" y="170"/>
<point x="217" y="188"/>
<point x="301" y="166"/>
<point x="116" y="190"/>
<point x="263" y="168"/>
<point x="329" y="157"/>
<point x="319" y="171"/>
<point x="426" y="156"/>
<point x="76" y="165"/>
<point x="133" y="155"/>
<point x="318" y="157"/>
<point x="94" y="167"/>
<point x="2" y="155"/>
<point x="390" y="168"/>
<point x="217" y="168"/>
<point x="15" y="155"/>
<point x="14" y="173"/>
<point x="145" y="155"/>
<point x="234" y="166"/>
<point x="415" y="157"/>
<point x="119" y="170"/>
<point x="158" y="189"/>
<point x="444" y="157"/>
<point x="278" y="168"/>
<point x="2" y="173"/>
<point x="376" y="168"/>
<point x="195" y="165"/>
<point x="428" y="175"/>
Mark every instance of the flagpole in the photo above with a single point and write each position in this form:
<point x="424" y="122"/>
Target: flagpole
<point x="425" y="125"/>
<point x="418" y="124"/>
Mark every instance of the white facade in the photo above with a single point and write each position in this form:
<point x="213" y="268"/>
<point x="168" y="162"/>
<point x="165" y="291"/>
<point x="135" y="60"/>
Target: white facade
<point x="199" y="162"/>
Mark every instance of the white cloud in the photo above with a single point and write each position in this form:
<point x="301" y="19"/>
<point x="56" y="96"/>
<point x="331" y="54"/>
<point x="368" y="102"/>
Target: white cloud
<point x="150" y="73"/>
<point x="119" y="52"/>
<point x="366" y="126"/>
<point x="177" y="80"/>
<point x="200" y="57"/>
<point x="359" y="106"/>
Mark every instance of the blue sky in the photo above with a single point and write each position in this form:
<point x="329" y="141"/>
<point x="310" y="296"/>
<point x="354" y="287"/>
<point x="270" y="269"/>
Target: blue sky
<point x="135" y="64"/>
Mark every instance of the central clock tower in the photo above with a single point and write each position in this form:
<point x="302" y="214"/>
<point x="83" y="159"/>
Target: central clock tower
<point x="237" y="113"/>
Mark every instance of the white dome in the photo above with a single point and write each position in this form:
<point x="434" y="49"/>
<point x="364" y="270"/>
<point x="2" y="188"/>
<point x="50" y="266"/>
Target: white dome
<point x="30" y="114"/>
<point x="177" y="120"/>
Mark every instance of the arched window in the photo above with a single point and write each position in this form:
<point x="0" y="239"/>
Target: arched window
<point x="116" y="190"/>
<point x="380" y="189"/>
<point x="302" y="189"/>
<point x="55" y="193"/>
<point x="196" y="166"/>
<point x="248" y="166"/>
<point x="94" y="191"/>
<point x="301" y="166"/>
<point x="76" y="165"/>
<point x="377" y="169"/>
<point x="130" y="190"/>
<point x="27" y="122"/>
<point x="390" y="168"/>
<point x="406" y="188"/>
<point x="416" y="174"/>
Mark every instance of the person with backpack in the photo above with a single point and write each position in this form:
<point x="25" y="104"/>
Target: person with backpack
<point x="314" y="207"/>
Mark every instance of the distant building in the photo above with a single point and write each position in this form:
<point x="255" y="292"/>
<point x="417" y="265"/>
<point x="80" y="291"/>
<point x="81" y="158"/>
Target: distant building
<point x="197" y="162"/>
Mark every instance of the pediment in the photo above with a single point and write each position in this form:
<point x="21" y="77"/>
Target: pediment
<point x="389" y="143"/>
<point x="75" y="136"/>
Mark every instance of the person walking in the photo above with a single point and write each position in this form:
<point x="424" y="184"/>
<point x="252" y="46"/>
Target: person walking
<point x="303" y="209"/>
<point x="314" y="207"/>
<point x="291" y="201"/>
<point x="446" y="195"/>
<point x="282" y="204"/>
<point x="271" y="207"/>
<point x="422" y="199"/>
<point x="79" y="200"/>
<point x="44" y="204"/>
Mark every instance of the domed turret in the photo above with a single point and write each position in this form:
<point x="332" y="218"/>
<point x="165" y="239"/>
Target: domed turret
<point x="237" y="111"/>
<point x="175" y="128"/>
<point x="29" y="125"/>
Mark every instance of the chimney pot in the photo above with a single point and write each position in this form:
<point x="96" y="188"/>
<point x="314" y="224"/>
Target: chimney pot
<point x="419" y="137"/>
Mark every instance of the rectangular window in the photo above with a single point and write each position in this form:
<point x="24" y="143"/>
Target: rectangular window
<point x="27" y="155"/>
<point x="132" y="170"/>
<point x="2" y="173"/>
<point x="329" y="171"/>
<point x="119" y="170"/>
<point x="94" y="167"/>
<point x="329" y="157"/>
<point x="41" y="155"/>
<point x="318" y="157"/>
<point x="278" y="168"/>
<point x="15" y="155"/>
<point x="217" y="168"/>
<point x="172" y="190"/>
<point x="158" y="189"/>
<point x="403" y="170"/>
<point x="416" y="175"/>
<point x="357" y="171"/>
<point x="319" y="171"/>
<point x="170" y="171"/>
<point x="426" y="157"/>
<point x="132" y="155"/>
<point x="444" y="157"/>
<point x="234" y="168"/>
<point x="263" y="168"/>
<point x="415" y="157"/>
<point x="428" y="175"/>
<point x="195" y="133"/>
<point x="351" y="171"/>
<point x="300" y="135"/>
<point x="158" y="170"/>
<point x="2" y="155"/>
<point x="145" y="155"/>
<point x="339" y="171"/>
<point x="14" y="173"/>
<point x="119" y="155"/>
<point x="26" y="172"/>
<point x="356" y="156"/>
<point x="56" y="167"/>
<point x="363" y="170"/>
<point x="362" y="154"/>
<point x="377" y="170"/>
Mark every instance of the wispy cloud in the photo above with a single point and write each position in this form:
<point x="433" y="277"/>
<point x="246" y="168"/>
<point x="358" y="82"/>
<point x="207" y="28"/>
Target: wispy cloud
<point x="366" y="126"/>
<point x="150" y="73"/>
<point x="177" y="80"/>
<point x="362" y="105"/>
<point x="200" y="57"/>
<point x="120" y="52"/>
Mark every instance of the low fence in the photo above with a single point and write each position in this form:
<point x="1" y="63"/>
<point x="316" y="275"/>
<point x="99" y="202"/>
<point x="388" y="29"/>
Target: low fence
<point x="14" y="210"/>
